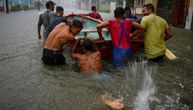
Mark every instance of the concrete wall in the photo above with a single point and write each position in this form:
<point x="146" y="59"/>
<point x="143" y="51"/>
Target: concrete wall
<point x="191" y="3"/>
<point x="189" y="18"/>
<point x="1" y="5"/>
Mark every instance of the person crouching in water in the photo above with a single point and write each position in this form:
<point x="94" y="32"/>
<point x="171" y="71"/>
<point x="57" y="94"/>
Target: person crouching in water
<point x="119" y="29"/>
<point x="90" y="61"/>
<point x="59" y="36"/>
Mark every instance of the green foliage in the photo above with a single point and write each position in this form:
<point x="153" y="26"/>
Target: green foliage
<point x="18" y="7"/>
<point x="104" y="11"/>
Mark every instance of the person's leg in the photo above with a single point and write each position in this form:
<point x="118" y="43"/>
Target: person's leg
<point x="127" y="55"/>
<point x="117" y="58"/>
<point x="121" y="57"/>
<point x="48" y="57"/>
<point x="60" y="59"/>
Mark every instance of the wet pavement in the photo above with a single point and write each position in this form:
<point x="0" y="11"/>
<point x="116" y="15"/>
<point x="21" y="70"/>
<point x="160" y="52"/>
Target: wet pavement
<point x="27" y="84"/>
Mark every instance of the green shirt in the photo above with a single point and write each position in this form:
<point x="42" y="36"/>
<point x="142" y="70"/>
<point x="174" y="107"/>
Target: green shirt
<point x="154" y="43"/>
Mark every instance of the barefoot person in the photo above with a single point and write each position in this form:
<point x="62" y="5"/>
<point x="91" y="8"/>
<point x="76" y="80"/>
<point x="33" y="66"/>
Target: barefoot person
<point x="90" y="61"/>
<point x="60" y="35"/>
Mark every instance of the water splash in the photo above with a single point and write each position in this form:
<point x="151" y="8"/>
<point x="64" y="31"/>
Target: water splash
<point x="146" y="93"/>
<point x="172" y="103"/>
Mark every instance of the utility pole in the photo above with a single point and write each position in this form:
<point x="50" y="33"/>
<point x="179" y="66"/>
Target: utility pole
<point x="38" y="4"/>
<point x="7" y="6"/>
<point x="97" y="4"/>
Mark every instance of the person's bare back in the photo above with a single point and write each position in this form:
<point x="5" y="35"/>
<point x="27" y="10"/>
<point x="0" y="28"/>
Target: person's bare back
<point x="89" y="62"/>
<point x="58" y="37"/>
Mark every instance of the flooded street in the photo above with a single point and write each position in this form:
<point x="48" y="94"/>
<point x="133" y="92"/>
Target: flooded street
<point x="27" y="84"/>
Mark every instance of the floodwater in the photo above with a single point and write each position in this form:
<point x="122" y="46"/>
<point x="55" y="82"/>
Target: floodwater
<point x="27" y="84"/>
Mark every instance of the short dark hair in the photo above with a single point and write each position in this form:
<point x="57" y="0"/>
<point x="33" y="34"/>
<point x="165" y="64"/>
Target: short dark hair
<point x="119" y="12"/>
<point x="77" y="23"/>
<point x="127" y="9"/>
<point x="149" y="6"/>
<point x="49" y="3"/>
<point x="88" y="44"/>
<point x="59" y="9"/>
<point x="93" y="8"/>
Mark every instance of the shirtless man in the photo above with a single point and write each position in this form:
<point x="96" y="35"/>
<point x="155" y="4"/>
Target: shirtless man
<point x="90" y="61"/>
<point x="60" y="35"/>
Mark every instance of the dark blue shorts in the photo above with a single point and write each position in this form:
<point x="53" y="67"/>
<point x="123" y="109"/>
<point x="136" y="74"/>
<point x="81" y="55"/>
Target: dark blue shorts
<point x="121" y="56"/>
<point x="51" y="57"/>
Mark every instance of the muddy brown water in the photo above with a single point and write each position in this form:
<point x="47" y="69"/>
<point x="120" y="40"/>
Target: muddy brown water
<point x="27" y="84"/>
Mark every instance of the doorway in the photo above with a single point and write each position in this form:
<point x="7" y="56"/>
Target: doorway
<point x="192" y="23"/>
<point x="164" y="9"/>
<point x="173" y="11"/>
<point x="179" y="12"/>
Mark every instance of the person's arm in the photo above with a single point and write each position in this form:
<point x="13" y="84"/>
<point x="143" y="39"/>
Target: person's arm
<point x="39" y="31"/>
<point x="140" y="31"/>
<point x="84" y="14"/>
<point x="100" y="17"/>
<point x="39" y="27"/>
<point x="71" y="39"/>
<point x="168" y="33"/>
<point x="137" y="25"/>
<point x="99" y="29"/>
<point x="73" y="54"/>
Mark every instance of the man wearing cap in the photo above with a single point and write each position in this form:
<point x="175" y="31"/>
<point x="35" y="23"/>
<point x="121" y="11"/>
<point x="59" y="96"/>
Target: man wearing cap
<point x="45" y="18"/>
<point x="59" y="36"/>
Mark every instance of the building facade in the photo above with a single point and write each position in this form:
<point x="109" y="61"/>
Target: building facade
<point x="178" y="13"/>
<point x="1" y="5"/>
